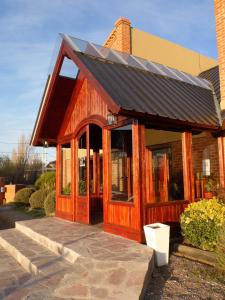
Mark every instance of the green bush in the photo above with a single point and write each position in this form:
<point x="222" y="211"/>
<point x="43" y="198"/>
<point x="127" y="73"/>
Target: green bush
<point x="220" y="250"/>
<point x="46" y="182"/>
<point x="37" y="199"/>
<point x="23" y="195"/>
<point x="201" y="223"/>
<point x="49" y="204"/>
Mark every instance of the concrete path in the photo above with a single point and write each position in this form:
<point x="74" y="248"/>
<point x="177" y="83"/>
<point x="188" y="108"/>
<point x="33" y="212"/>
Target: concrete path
<point x="74" y="261"/>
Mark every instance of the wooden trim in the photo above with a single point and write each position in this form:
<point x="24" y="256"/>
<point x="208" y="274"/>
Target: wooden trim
<point x="158" y="121"/>
<point x="121" y="203"/>
<point x="121" y="123"/>
<point x="52" y="84"/>
<point x="78" y="85"/>
<point x="88" y="173"/>
<point x="73" y="175"/>
<point x="106" y="97"/>
<point x="187" y="166"/>
<point x="64" y="215"/>
<point x="58" y="174"/>
<point x="92" y="119"/>
<point x="106" y="134"/>
<point x="221" y="160"/>
<point x="126" y="232"/>
<point x="158" y="204"/>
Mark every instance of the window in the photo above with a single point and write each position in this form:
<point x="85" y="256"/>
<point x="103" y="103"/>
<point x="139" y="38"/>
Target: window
<point x="121" y="164"/>
<point x="82" y="165"/>
<point x="66" y="169"/>
<point x="205" y="164"/>
<point x="165" y="165"/>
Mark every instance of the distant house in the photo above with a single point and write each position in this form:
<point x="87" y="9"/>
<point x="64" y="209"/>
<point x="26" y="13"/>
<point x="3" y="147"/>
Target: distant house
<point x="139" y="133"/>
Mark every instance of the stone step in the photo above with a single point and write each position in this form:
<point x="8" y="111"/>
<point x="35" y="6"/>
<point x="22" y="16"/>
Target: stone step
<point x="52" y="245"/>
<point x="32" y="256"/>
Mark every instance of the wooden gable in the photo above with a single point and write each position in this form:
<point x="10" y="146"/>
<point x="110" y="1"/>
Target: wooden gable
<point x="85" y="103"/>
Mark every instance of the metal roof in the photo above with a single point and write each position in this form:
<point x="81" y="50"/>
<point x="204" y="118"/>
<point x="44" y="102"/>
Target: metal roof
<point x="135" y="89"/>
<point x="133" y="61"/>
<point x="213" y="76"/>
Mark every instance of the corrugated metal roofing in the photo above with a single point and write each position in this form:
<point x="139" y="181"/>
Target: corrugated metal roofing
<point x="213" y="76"/>
<point x="142" y="91"/>
<point x="133" y="61"/>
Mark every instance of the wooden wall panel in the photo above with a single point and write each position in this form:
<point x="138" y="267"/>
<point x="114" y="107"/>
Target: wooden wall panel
<point x="164" y="212"/>
<point x="85" y="102"/>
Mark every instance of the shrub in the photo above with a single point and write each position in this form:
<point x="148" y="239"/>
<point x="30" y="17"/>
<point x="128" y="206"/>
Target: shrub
<point x="23" y="195"/>
<point x="37" y="199"/>
<point x="201" y="222"/>
<point x="46" y="182"/>
<point x="221" y="248"/>
<point x="49" y="204"/>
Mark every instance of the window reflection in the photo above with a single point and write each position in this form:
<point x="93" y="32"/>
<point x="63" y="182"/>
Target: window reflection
<point x="66" y="169"/>
<point x="121" y="164"/>
<point x="82" y="165"/>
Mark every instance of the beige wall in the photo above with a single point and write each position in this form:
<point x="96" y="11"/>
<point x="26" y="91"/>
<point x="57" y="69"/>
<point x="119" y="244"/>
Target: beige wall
<point x="159" y="50"/>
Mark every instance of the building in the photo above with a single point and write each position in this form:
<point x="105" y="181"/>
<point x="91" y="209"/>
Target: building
<point x="137" y="138"/>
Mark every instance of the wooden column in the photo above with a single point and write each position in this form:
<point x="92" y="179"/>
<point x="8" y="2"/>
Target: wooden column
<point x="221" y="160"/>
<point x="106" y="144"/>
<point x="139" y="178"/>
<point x="58" y="179"/>
<point x="88" y="174"/>
<point x="187" y="166"/>
<point x="73" y="176"/>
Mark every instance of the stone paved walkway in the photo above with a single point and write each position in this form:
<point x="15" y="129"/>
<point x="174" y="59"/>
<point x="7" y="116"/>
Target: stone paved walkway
<point x="104" y="266"/>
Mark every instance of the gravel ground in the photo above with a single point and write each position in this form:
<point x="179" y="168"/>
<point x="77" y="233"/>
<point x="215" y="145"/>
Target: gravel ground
<point x="185" y="279"/>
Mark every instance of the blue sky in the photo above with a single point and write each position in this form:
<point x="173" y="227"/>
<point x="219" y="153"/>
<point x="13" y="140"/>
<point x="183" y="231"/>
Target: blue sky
<point x="28" y="33"/>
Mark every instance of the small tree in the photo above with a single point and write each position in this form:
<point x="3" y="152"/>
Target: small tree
<point x="26" y="162"/>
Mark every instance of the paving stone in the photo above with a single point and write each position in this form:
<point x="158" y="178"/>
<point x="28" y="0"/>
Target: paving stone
<point x="103" y="264"/>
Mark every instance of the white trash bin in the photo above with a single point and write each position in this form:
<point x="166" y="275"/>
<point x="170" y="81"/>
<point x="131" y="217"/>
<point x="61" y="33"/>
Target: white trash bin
<point x="157" y="237"/>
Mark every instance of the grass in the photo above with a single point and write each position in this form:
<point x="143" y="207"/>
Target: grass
<point x="26" y="209"/>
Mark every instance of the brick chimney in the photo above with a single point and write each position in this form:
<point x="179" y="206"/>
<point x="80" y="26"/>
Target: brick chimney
<point x="220" y="32"/>
<point x="120" y="37"/>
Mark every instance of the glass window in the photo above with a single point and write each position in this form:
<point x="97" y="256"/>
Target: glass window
<point x="165" y="165"/>
<point x="66" y="169"/>
<point x="82" y="165"/>
<point x="121" y="164"/>
<point x="205" y="164"/>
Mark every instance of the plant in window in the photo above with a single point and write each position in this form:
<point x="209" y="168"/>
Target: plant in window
<point x="67" y="189"/>
<point x="209" y="188"/>
<point x="82" y="187"/>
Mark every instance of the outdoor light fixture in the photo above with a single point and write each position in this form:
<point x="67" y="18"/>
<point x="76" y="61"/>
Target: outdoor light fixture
<point x="111" y="119"/>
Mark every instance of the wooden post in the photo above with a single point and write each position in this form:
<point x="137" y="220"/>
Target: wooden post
<point x="139" y="178"/>
<point x="58" y="175"/>
<point x="221" y="160"/>
<point x="106" y="144"/>
<point x="73" y="175"/>
<point x="187" y="166"/>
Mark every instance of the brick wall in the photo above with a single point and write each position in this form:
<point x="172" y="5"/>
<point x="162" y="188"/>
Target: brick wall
<point x="120" y="37"/>
<point x="220" y="32"/>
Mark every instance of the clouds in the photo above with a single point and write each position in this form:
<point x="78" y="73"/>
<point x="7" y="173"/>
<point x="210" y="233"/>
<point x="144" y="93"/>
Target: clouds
<point x="29" y="28"/>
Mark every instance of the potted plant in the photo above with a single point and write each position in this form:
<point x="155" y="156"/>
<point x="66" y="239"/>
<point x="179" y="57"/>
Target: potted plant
<point x="209" y="187"/>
